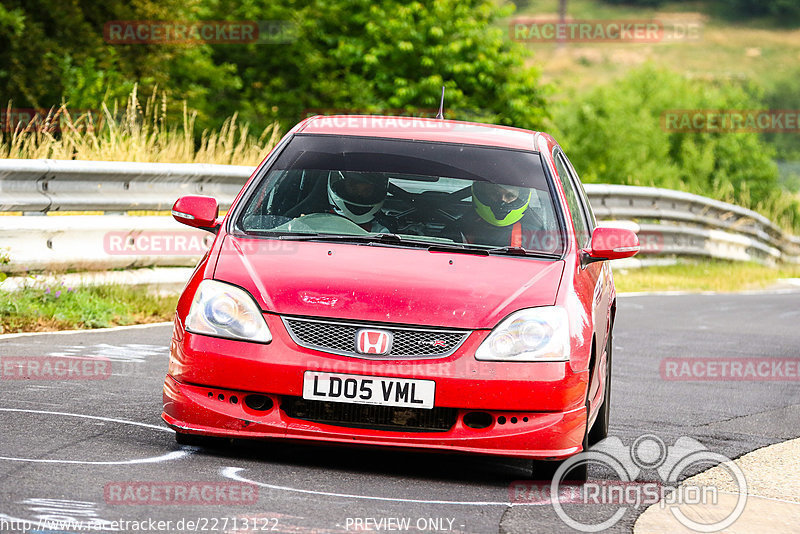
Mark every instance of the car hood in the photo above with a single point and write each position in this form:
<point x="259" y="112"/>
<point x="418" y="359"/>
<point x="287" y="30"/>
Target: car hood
<point x="373" y="283"/>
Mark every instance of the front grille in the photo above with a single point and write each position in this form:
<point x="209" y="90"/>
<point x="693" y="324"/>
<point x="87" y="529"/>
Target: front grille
<point x="340" y="338"/>
<point x="370" y="416"/>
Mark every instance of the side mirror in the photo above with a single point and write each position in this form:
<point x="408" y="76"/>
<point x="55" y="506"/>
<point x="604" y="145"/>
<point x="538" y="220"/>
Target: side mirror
<point x="610" y="244"/>
<point x="198" y="212"/>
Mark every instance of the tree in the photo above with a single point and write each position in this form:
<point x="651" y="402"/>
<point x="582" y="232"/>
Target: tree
<point x="383" y="55"/>
<point x="615" y="134"/>
<point x="54" y="50"/>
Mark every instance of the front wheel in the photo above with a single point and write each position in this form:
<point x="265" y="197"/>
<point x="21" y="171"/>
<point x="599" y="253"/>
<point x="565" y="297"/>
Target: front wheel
<point x="188" y="439"/>
<point x="545" y="469"/>
<point x="199" y="440"/>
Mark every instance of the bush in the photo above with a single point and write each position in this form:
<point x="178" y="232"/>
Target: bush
<point x="614" y="134"/>
<point x="384" y="56"/>
<point x="54" y="51"/>
<point x="774" y="8"/>
<point x="783" y="95"/>
<point x="643" y="3"/>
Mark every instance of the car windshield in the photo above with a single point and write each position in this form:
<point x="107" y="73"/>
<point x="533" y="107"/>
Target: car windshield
<point x="406" y="193"/>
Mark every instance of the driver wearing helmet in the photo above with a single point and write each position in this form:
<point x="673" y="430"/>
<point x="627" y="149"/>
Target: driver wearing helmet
<point x="502" y="216"/>
<point x="359" y="198"/>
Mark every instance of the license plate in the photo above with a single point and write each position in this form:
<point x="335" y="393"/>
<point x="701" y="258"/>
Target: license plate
<point x="359" y="389"/>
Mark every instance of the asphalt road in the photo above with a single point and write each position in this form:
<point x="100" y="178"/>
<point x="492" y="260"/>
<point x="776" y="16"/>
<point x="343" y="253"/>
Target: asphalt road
<point x="70" y="449"/>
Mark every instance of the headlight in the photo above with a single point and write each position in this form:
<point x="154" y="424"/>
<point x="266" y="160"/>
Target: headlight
<point x="532" y="335"/>
<point x="223" y="310"/>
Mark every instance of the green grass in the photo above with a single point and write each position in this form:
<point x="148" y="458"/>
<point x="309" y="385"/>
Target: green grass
<point x="754" y="49"/>
<point x="703" y="276"/>
<point x="57" y="307"/>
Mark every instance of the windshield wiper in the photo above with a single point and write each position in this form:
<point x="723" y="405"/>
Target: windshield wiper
<point x="278" y="234"/>
<point x="465" y="248"/>
<point x="458" y="248"/>
<point x="388" y="239"/>
<point x="519" y="251"/>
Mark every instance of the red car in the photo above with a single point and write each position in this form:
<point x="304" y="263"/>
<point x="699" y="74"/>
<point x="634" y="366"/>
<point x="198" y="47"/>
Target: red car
<point x="388" y="281"/>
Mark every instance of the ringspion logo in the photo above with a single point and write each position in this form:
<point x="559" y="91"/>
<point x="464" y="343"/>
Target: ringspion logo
<point x="664" y="466"/>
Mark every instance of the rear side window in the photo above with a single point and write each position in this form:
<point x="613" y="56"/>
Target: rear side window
<point x="582" y="192"/>
<point x="582" y="231"/>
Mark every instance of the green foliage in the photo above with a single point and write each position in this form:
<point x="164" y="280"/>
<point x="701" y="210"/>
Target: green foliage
<point x="383" y="56"/>
<point x="774" y="8"/>
<point x="357" y="55"/>
<point x="643" y="3"/>
<point x="782" y="11"/>
<point x="782" y="95"/>
<point x="616" y="134"/>
<point x="5" y="259"/>
<point x="54" y="50"/>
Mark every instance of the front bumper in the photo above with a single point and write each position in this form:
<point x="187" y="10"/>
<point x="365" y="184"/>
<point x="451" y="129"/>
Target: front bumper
<point x="537" y="409"/>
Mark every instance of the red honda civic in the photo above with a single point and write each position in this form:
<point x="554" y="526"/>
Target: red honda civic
<point x="401" y="282"/>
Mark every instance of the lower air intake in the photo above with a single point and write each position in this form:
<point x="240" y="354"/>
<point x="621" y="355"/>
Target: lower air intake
<point x="369" y="416"/>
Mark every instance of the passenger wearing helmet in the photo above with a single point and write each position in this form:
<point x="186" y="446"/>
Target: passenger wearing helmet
<point x="502" y="216"/>
<point x="358" y="197"/>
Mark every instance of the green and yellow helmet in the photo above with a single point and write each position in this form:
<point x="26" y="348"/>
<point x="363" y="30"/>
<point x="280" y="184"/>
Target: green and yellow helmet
<point x="492" y="202"/>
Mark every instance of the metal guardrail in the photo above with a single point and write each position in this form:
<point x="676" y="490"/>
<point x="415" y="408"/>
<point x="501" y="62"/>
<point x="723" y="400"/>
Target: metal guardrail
<point x="669" y="223"/>
<point x="41" y="186"/>
<point x="684" y="224"/>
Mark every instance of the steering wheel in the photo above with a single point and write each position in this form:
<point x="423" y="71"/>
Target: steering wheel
<point x="418" y="203"/>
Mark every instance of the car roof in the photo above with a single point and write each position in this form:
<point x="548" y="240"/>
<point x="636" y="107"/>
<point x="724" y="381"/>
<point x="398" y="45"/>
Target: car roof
<point x="422" y="129"/>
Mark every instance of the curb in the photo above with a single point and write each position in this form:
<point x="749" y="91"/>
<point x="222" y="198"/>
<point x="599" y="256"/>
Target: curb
<point x="773" y="498"/>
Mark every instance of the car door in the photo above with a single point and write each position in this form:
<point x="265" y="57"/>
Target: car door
<point x="590" y="281"/>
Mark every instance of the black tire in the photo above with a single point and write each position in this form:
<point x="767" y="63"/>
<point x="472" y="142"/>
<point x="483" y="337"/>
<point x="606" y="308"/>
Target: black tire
<point x="187" y="439"/>
<point x="599" y="430"/>
<point x="199" y="440"/>
<point x="545" y="469"/>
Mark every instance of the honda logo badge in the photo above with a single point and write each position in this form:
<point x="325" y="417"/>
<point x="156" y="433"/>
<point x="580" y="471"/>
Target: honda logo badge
<point x="373" y="341"/>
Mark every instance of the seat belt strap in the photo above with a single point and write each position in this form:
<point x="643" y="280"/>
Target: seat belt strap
<point x="516" y="234"/>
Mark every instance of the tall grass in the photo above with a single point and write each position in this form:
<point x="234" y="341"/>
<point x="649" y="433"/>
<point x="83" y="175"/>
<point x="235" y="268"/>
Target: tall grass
<point x="46" y="307"/>
<point x="139" y="132"/>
